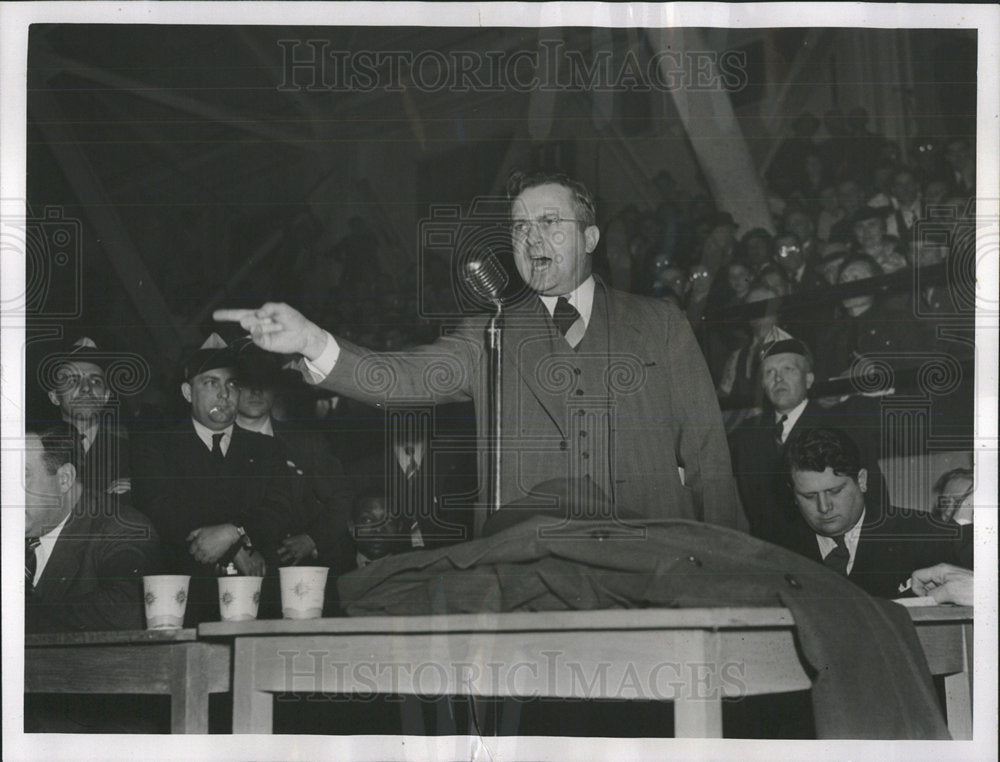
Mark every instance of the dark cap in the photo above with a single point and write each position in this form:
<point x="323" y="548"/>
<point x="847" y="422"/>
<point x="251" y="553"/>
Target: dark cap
<point x="213" y="353"/>
<point x="83" y="350"/>
<point x="785" y="346"/>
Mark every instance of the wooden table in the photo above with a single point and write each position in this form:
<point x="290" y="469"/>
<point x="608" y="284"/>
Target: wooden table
<point x="169" y="662"/>
<point x="692" y="657"/>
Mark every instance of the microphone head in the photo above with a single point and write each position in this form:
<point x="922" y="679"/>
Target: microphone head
<point x="486" y="277"/>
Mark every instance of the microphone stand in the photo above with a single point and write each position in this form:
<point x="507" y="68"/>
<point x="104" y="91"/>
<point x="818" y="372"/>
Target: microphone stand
<point x="494" y="334"/>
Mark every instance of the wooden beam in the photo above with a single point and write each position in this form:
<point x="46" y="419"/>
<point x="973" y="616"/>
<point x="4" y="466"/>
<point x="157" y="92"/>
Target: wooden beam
<point x="715" y="134"/>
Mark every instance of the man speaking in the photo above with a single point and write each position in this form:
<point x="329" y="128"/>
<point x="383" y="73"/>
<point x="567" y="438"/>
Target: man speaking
<point x="600" y="387"/>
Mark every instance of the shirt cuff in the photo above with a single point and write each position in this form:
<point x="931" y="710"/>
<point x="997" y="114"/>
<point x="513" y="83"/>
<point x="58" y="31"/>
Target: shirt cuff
<point x="322" y="366"/>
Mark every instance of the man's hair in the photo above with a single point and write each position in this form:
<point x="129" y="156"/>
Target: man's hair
<point x="947" y="476"/>
<point x="820" y="449"/>
<point x="60" y="443"/>
<point x="863" y="258"/>
<point x="583" y="201"/>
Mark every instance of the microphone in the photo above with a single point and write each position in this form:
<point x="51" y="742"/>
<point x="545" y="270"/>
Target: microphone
<point x="486" y="277"/>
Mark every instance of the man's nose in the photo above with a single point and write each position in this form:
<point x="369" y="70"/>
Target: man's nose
<point x="85" y="384"/>
<point x="825" y="506"/>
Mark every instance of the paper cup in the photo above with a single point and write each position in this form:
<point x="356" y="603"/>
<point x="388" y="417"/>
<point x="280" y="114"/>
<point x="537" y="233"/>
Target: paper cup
<point x="166" y="598"/>
<point x="302" y="589"/>
<point x="239" y="598"/>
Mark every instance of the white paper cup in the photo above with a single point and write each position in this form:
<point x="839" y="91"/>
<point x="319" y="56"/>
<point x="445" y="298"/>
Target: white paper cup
<point x="239" y="598"/>
<point x="166" y="598"/>
<point x="302" y="589"/>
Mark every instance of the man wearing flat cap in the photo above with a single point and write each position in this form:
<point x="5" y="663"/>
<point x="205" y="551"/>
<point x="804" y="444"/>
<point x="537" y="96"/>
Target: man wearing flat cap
<point x="76" y="383"/>
<point x="214" y="491"/>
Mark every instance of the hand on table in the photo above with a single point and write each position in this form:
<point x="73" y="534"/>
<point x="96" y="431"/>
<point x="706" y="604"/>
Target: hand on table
<point x="944" y="583"/>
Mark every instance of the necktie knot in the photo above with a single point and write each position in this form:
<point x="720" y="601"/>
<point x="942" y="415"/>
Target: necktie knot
<point x="779" y="428"/>
<point x="564" y="315"/>
<point x="838" y="558"/>
<point x="217" y="446"/>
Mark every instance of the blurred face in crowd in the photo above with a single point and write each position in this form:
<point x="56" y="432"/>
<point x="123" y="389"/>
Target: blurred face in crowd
<point x="789" y="254"/>
<point x="757" y="251"/>
<point x="830" y="503"/>
<point x="930" y="253"/>
<point x="955" y="501"/>
<point x="552" y="250"/>
<point x="375" y="533"/>
<point x="45" y="491"/>
<point x="254" y="402"/>
<point x="849" y="196"/>
<point x="739" y="277"/>
<point x="831" y="268"/>
<point x="828" y="200"/>
<point x="854" y="272"/>
<point x="801" y="224"/>
<point x="676" y="280"/>
<point x="935" y="192"/>
<point x="81" y="391"/>
<point x="905" y="188"/>
<point x="890" y="258"/>
<point x="763" y="324"/>
<point x="869" y="233"/>
<point x="787" y="379"/>
<point x="213" y="395"/>
<point x="958" y="155"/>
<point x="773" y="280"/>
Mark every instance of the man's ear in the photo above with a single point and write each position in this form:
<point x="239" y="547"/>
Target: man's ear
<point x="592" y="235"/>
<point x="66" y="477"/>
<point x="186" y="390"/>
<point x="863" y="479"/>
<point x="809" y="380"/>
<point x="54" y="398"/>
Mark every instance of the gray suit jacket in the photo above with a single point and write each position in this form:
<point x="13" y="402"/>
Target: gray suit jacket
<point x="653" y="411"/>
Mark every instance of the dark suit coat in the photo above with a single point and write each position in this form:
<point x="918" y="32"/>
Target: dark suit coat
<point x="870" y="677"/>
<point x="93" y="579"/>
<point x="443" y="492"/>
<point x="889" y="550"/>
<point x="760" y="472"/>
<point x="108" y="456"/>
<point x="320" y="495"/>
<point x="664" y="412"/>
<point x="179" y="485"/>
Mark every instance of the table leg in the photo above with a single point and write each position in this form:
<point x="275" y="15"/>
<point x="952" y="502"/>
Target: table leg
<point x="188" y="691"/>
<point x="253" y="710"/>
<point x="958" y="693"/>
<point x="698" y="718"/>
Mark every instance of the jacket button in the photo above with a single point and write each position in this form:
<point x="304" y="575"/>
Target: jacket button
<point x="563" y="445"/>
<point x="579" y="392"/>
<point x="695" y="561"/>
<point x="792" y="581"/>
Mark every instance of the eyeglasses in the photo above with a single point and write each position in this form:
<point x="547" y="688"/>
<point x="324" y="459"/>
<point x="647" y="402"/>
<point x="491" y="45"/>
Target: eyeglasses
<point x="546" y="223"/>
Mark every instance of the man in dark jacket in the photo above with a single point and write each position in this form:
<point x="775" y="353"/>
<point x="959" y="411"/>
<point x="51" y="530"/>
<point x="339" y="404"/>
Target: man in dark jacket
<point x="84" y="556"/>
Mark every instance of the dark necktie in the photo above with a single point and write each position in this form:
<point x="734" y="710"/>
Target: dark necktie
<point x="838" y="558"/>
<point x="565" y="315"/>
<point x="779" y="429"/>
<point x="30" y="562"/>
<point x="217" y="447"/>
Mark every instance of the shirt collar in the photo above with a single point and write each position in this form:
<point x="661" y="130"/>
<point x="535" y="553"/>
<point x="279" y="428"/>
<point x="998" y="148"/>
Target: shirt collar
<point x="88" y="435"/>
<point x="793" y="417"/>
<point x="205" y="434"/>
<point x="582" y="297"/>
<point x="851" y="539"/>
<point x="259" y="425"/>
<point x="45" y="544"/>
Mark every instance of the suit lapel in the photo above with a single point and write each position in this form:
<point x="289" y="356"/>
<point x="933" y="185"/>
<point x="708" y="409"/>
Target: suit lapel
<point x="67" y="555"/>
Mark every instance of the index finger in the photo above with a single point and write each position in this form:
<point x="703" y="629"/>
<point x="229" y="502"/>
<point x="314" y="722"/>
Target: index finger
<point x="231" y="316"/>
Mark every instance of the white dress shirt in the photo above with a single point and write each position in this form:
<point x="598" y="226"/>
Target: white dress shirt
<point x="851" y="538"/>
<point x="44" y="550"/>
<point x="793" y="416"/>
<point x="205" y="434"/>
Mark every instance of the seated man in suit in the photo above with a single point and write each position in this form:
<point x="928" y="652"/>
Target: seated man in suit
<point x="848" y="532"/>
<point x="79" y="388"/>
<point x="320" y="500"/>
<point x="85" y="556"/>
<point x="377" y="532"/>
<point x="215" y="492"/>
<point x="954" y="507"/>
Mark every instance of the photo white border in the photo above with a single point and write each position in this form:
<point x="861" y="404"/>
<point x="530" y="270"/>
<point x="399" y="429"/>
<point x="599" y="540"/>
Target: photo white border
<point x="14" y="21"/>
